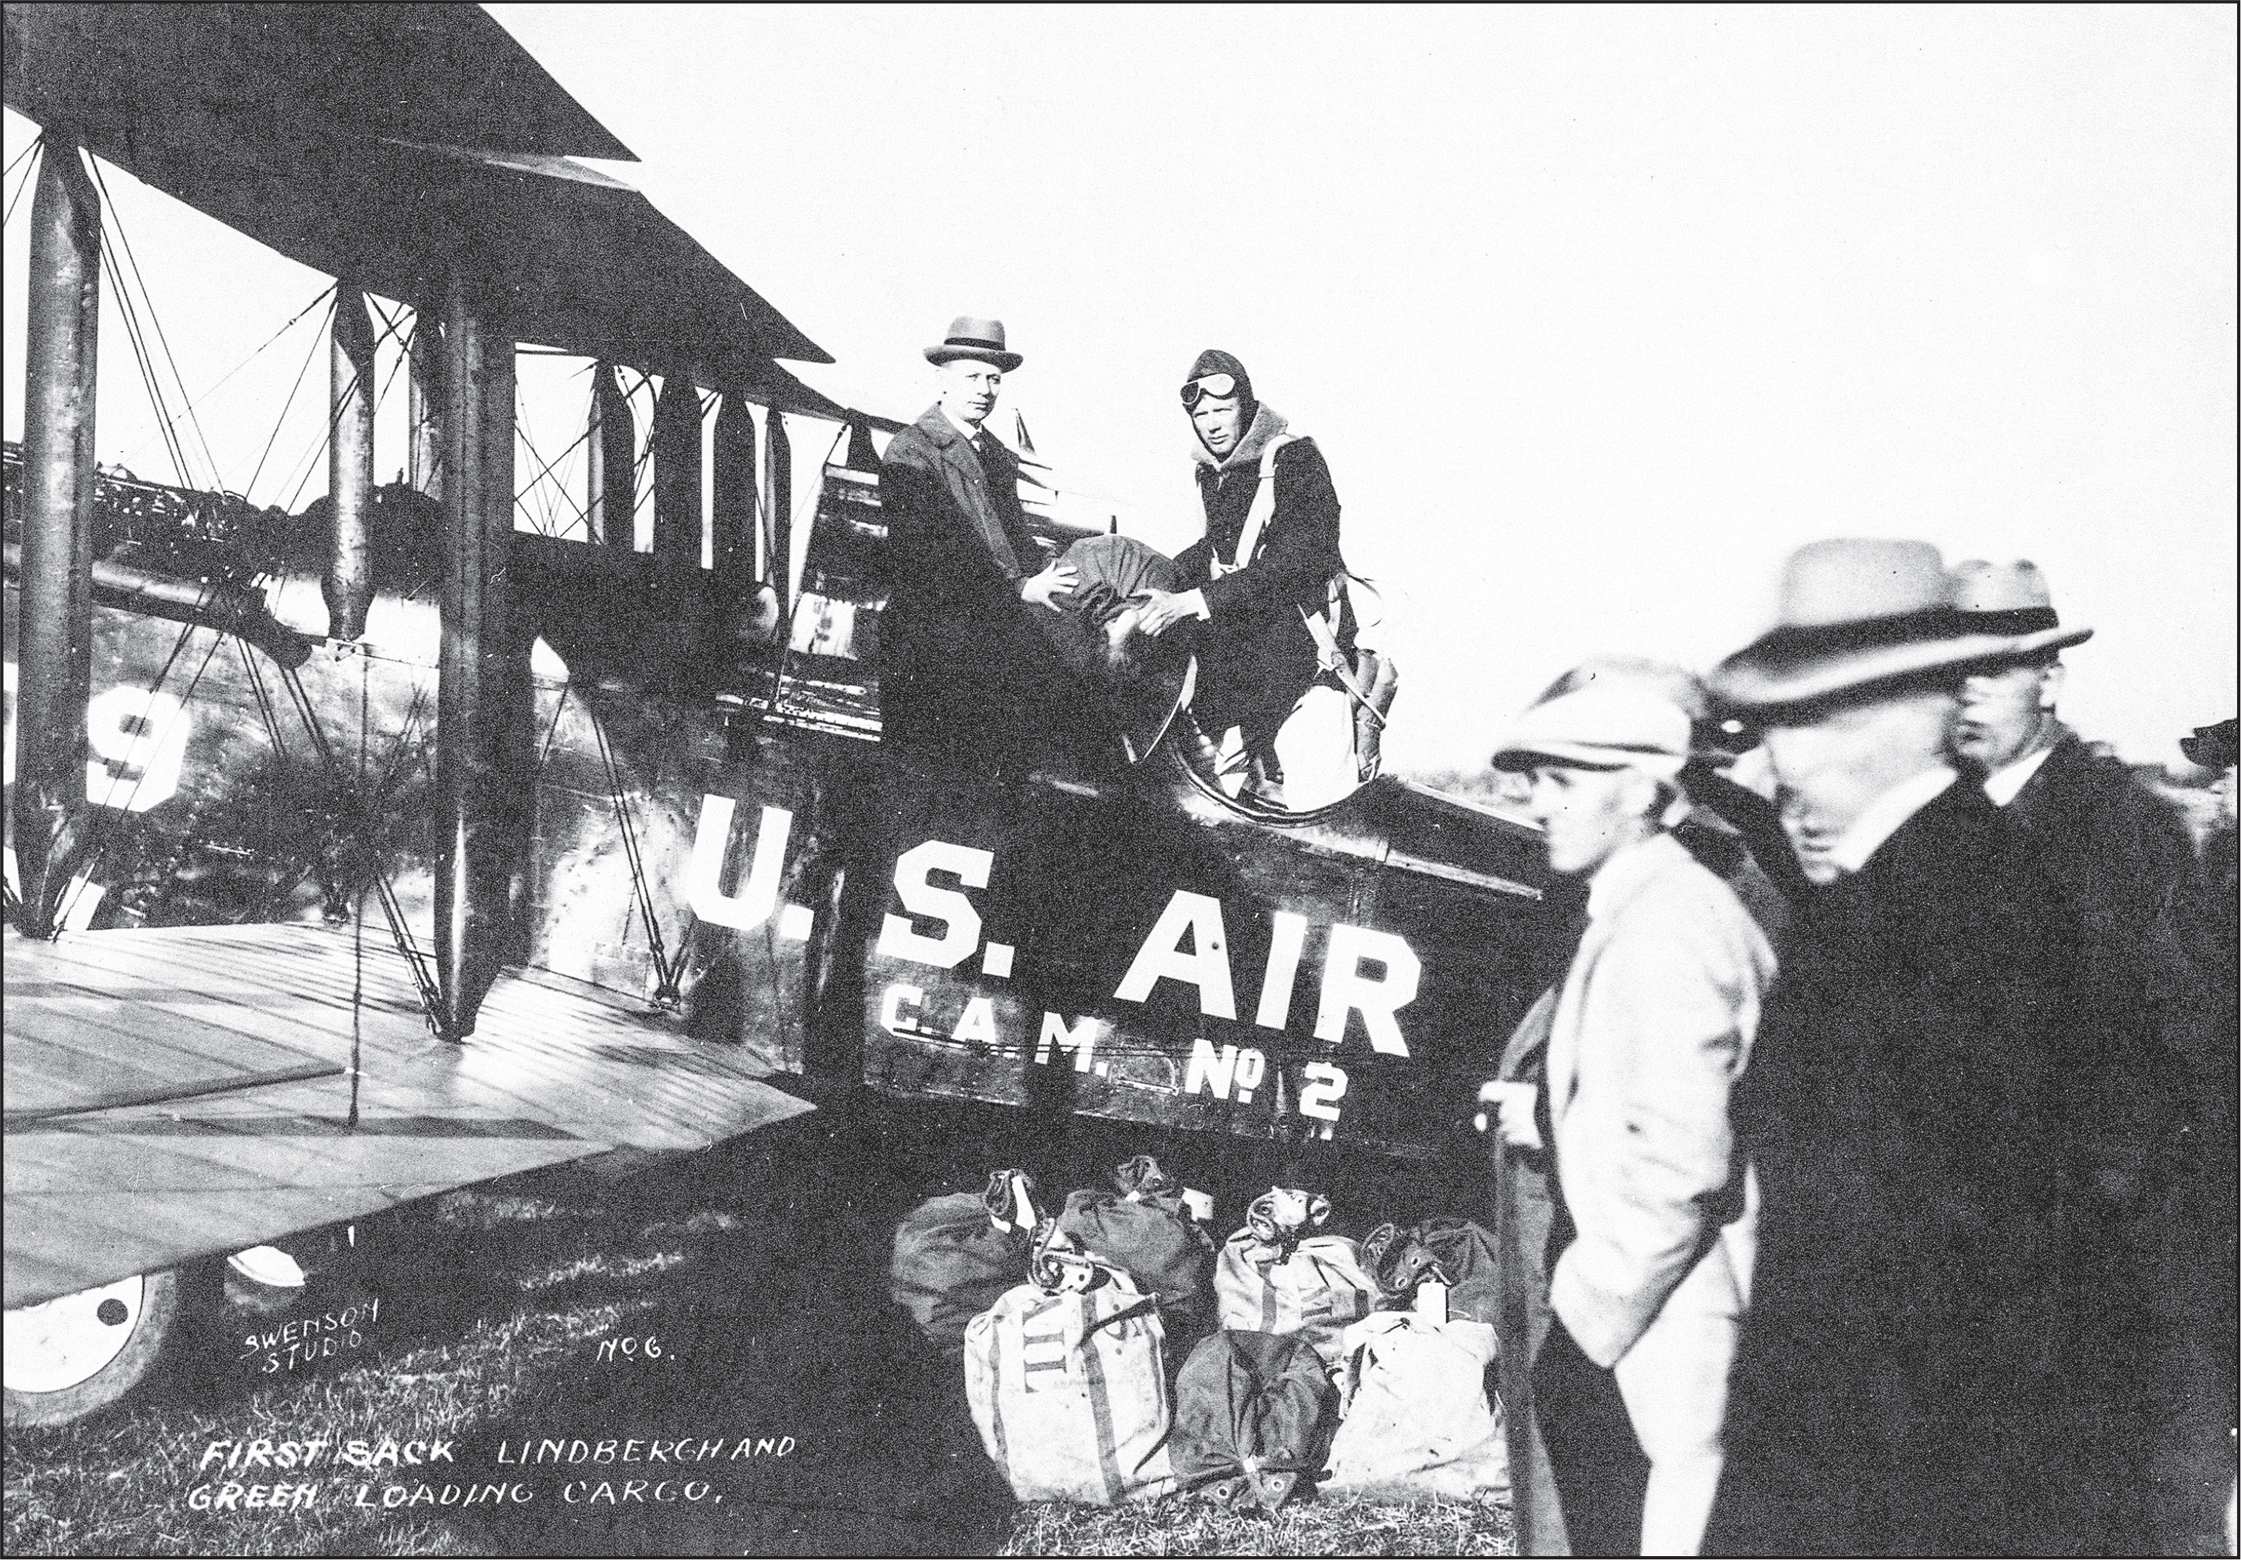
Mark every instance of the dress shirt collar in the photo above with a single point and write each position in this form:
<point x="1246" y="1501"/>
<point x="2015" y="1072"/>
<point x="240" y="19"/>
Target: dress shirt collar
<point x="2003" y="784"/>
<point x="965" y="430"/>
<point x="1883" y="817"/>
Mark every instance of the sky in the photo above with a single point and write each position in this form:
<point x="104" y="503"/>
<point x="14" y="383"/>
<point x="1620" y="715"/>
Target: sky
<point x="1596" y="313"/>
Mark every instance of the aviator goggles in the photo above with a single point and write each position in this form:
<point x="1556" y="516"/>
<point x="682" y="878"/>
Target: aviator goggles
<point x="1212" y="384"/>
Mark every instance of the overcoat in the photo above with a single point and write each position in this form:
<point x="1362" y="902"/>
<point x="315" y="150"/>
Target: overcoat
<point x="1255" y="657"/>
<point x="963" y="674"/>
<point x="2151" y="1295"/>
<point x="1899" y="1385"/>
<point x="2116" y="861"/>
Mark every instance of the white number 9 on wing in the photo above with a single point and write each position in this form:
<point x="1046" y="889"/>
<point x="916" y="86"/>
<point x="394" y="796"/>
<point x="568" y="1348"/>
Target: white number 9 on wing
<point x="136" y="740"/>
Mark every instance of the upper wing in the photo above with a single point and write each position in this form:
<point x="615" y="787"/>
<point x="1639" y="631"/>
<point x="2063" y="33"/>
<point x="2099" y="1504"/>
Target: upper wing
<point x="386" y="143"/>
<point x="176" y="1093"/>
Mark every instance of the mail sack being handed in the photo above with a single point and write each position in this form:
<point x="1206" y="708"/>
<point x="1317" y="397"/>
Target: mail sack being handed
<point x="1277" y="1275"/>
<point x="955" y="1256"/>
<point x="1254" y="1415"/>
<point x="1417" y="1422"/>
<point x="1453" y="1253"/>
<point x="1143" y="1228"/>
<point x="1068" y="1383"/>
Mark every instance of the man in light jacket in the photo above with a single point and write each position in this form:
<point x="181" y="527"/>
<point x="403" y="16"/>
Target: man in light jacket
<point x="1649" y="1247"/>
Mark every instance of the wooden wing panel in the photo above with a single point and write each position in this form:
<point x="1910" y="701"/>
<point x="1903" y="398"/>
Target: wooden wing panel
<point x="177" y="1093"/>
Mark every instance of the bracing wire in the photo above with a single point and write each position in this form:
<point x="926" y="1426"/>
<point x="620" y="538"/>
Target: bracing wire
<point x="665" y="990"/>
<point x="285" y="408"/>
<point x="544" y="518"/>
<point x="431" y="994"/>
<point x="28" y="151"/>
<point x="358" y="911"/>
<point x="308" y="463"/>
<point x="155" y="319"/>
<point x="172" y="448"/>
<point x="259" y="350"/>
<point x="32" y="152"/>
<point x="545" y="469"/>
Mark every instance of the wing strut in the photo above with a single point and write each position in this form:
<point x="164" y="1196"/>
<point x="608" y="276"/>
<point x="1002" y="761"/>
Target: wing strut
<point x="54" y="646"/>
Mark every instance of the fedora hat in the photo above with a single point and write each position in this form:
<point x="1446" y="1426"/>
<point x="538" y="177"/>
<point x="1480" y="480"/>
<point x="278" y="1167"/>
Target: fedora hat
<point x="1605" y="725"/>
<point x="1853" y="613"/>
<point x="971" y="338"/>
<point x="2211" y="747"/>
<point x="2011" y="598"/>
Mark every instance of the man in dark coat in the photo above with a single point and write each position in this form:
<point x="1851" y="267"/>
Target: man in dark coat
<point x="2118" y="862"/>
<point x="965" y="680"/>
<point x="1899" y="1387"/>
<point x="1256" y="656"/>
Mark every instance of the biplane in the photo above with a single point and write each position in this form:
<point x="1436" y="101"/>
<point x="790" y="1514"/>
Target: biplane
<point x="399" y="844"/>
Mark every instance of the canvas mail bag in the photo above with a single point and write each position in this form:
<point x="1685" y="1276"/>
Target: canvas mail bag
<point x="1277" y="1275"/>
<point x="1142" y="1228"/>
<point x="1068" y="1388"/>
<point x="1416" y="1422"/>
<point x="1254" y="1415"/>
<point x="955" y="1256"/>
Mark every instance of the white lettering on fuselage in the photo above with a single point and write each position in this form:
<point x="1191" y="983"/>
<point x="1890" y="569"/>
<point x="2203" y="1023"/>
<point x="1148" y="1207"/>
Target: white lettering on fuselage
<point x="1204" y="964"/>
<point x="753" y="903"/>
<point x="1162" y="957"/>
<point x="898" y="939"/>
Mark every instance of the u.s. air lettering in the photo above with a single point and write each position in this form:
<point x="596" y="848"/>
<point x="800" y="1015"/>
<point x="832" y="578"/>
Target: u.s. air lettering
<point x="1366" y="971"/>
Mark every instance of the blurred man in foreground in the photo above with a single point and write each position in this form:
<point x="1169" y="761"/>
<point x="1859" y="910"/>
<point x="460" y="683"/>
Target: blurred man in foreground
<point x="1901" y="1385"/>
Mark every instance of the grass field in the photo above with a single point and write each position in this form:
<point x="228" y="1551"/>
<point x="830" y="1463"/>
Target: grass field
<point x="757" y="1271"/>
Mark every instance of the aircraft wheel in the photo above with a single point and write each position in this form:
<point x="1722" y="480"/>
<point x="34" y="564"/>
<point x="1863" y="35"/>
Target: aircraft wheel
<point x="77" y="1354"/>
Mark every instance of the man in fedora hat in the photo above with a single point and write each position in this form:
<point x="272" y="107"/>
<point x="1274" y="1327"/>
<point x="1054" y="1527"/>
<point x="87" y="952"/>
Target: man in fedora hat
<point x="964" y="678"/>
<point x="1648" y="1246"/>
<point x="1901" y="1384"/>
<point x="2118" y="861"/>
<point x="2114" y="843"/>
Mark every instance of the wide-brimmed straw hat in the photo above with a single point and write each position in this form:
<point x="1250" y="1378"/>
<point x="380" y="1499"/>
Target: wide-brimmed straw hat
<point x="1856" y="612"/>
<point x="2012" y="598"/>
<point x="971" y="338"/>
<point x="1614" y="725"/>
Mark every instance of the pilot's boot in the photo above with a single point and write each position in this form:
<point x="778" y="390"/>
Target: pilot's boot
<point x="1265" y="779"/>
<point x="1233" y="766"/>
